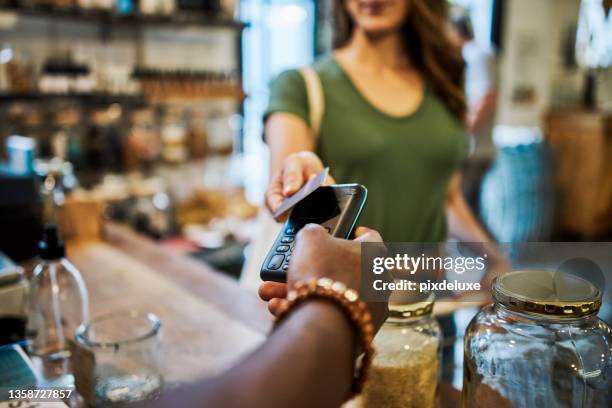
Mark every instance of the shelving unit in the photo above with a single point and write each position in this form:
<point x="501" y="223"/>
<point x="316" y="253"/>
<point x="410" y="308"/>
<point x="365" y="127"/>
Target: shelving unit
<point x="196" y="73"/>
<point x="133" y="100"/>
<point x="93" y="98"/>
<point x="180" y="19"/>
<point x="107" y="20"/>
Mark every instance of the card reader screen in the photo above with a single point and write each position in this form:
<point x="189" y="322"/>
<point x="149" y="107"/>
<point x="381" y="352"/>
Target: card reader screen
<point x="323" y="206"/>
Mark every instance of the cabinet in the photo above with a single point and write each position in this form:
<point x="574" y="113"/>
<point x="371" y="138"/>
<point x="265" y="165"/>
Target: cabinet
<point x="582" y="144"/>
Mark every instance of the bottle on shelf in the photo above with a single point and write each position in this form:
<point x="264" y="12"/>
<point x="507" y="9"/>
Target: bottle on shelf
<point x="58" y="304"/>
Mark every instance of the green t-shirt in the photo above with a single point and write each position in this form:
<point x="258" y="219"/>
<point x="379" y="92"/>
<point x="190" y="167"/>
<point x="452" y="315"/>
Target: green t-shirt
<point x="405" y="162"/>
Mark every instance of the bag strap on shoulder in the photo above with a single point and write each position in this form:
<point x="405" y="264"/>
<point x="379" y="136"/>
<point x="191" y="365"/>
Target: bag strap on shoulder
<point x="316" y="101"/>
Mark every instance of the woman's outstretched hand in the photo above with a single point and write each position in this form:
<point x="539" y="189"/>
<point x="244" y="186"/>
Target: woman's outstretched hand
<point x="296" y="170"/>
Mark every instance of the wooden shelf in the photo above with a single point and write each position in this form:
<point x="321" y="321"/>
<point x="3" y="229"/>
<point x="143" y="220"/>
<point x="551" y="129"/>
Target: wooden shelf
<point x="159" y="96"/>
<point x="179" y="19"/>
<point x="92" y="97"/>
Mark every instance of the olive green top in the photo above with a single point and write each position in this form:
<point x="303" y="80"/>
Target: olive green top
<point x="404" y="161"/>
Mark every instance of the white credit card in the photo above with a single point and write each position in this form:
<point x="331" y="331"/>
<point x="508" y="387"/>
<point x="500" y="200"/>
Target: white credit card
<point x="310" y="186"/>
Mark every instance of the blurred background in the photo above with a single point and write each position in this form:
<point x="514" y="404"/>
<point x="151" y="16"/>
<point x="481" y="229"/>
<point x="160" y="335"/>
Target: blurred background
<point x="150" y="111"/>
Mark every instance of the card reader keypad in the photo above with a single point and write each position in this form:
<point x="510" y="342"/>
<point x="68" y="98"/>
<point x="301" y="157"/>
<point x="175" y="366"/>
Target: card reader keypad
<point x="276" y="261"/>
<point x="283" y="249"/>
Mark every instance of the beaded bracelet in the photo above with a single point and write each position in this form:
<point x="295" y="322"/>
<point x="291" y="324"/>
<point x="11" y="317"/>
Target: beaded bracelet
<point x="353" y="308"/>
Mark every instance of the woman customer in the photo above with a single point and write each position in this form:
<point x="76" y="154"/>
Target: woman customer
<point x="393" y="120"/>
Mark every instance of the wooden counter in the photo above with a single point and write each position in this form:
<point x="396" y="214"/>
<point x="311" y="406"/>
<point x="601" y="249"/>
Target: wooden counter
<point x="208" y="321"/>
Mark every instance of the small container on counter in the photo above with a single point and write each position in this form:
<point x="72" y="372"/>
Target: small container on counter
<point x="540" y="344"/>
<point x="117" y="359"/>
<point x="405" y="370"/>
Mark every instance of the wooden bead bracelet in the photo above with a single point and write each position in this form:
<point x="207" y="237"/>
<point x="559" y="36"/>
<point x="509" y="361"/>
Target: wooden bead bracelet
<point x="352" y="307"/>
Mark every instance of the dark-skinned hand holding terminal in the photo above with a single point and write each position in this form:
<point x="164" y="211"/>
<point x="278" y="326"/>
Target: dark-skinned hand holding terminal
<point x="309" y="359"/>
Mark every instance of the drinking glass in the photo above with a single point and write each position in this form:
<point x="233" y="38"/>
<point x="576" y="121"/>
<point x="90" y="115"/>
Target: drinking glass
<point x="126" y="348"/>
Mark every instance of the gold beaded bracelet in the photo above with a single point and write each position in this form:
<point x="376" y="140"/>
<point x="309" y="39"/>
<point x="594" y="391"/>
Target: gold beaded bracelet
<point x="353" y="308"/>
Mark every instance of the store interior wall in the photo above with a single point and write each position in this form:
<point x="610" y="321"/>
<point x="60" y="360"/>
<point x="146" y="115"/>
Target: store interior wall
<point x="530" y="62"/>
<point x="279" y="36"/>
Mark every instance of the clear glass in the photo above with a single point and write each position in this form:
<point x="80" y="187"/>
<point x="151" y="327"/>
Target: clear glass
<point x="406" y="368"/>
<point x="529" y="361"/>
<point x="57" y="305"/>
<point x="127" y="349"/>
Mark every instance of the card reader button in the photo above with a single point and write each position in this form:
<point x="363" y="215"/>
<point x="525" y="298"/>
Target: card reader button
<point x="276" y="261"/>
<point x="286" y="240"/>
<point x="290" y="231"/>
<point x="282" y="248"/>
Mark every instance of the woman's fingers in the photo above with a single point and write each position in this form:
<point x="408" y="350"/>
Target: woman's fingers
<point x="329" y="180"/>
<point x="274" y="200"/>
<point x="297" y="168"/>
<point x="270" y="290"/>
<point x="274" y="194"/>
<point x="293" y="175"/>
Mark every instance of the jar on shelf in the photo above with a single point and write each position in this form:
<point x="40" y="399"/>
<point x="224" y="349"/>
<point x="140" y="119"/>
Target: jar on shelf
<point x="174" y="136"/>
<point x="144" y="140"/>
<point x="540" y="344"/>
<point x="405" y="370"/>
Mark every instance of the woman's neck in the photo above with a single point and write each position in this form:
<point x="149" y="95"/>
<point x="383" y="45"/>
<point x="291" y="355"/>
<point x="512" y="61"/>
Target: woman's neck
<point x="381" y="52"/>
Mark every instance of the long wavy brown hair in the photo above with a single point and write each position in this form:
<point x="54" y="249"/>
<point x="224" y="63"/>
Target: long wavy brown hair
<point x="428" y="45"/>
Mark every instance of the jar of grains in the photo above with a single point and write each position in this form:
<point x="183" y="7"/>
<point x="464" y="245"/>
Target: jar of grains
<point x="405" y="370"/>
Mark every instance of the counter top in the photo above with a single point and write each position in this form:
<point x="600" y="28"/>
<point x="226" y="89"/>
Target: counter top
<point x="208" y="321"/>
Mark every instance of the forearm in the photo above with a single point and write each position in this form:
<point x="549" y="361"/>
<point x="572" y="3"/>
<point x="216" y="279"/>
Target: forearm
<point x="484" y="111"/>
<point x="308" y="361"/>
<point x="285" y="134"/>
<point x="463" y="226"/>
<point x="462" y="223"/>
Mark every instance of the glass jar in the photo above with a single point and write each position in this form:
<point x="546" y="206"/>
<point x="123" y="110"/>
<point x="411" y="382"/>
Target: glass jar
<point x="539" y="344"/>
<point x="405" y="370"/>
<point x="144" y="143"/>
<point x="125" y="349"/>
<point x="174" y="134"/>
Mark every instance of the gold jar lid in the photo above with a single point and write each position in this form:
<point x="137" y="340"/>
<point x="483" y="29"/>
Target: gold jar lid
<point x="547" y="293"/>
<point x="403" y="308"/>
